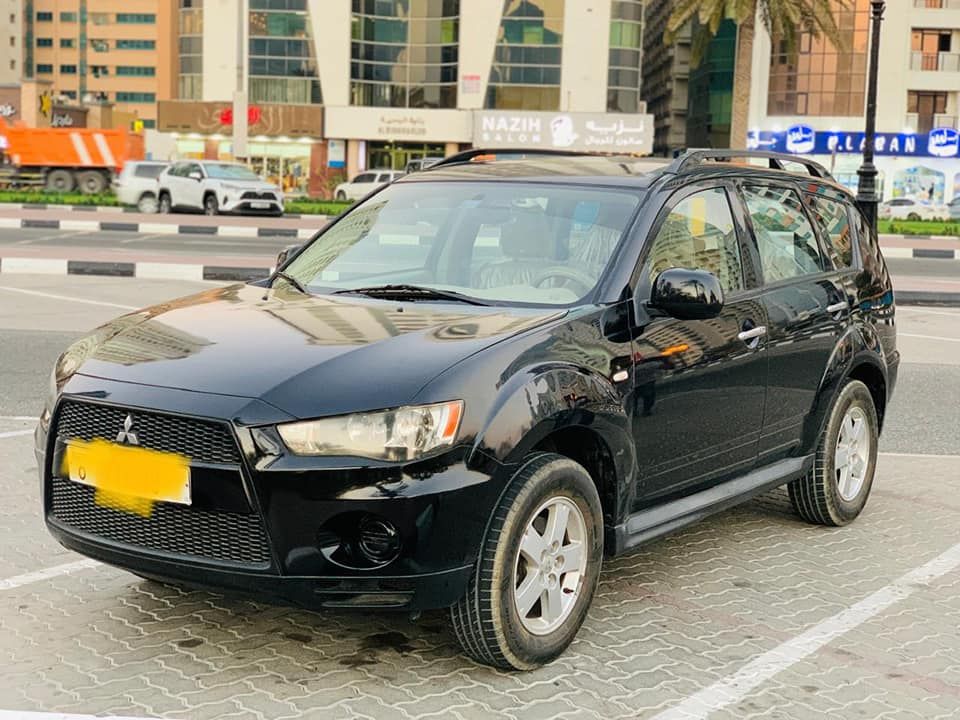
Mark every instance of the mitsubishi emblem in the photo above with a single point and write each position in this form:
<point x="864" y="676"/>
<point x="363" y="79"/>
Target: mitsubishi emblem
<point x="126" y="435"/>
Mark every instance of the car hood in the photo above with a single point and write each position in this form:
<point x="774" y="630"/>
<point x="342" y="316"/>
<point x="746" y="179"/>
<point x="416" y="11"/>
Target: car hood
<point x="251" y="184"/>
<point x="307" y="356"/>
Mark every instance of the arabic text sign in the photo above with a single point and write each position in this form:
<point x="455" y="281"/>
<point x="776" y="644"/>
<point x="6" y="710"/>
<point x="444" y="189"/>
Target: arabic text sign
<point x="604" y="132"/>
<point x="803" y="140"/>
<point x="400" y="124"/>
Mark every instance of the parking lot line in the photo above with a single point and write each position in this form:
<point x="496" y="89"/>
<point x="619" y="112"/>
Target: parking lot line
<point x="734" y="688"/>
<point x="67" y="298"/>
<point x="929" y="337"/>
<point x="17" y="417"/>
<point x="51" y="572"/>
<point x="919" y="455"/>
<point x="14" y="433"/>
<point x="27" y="715"/>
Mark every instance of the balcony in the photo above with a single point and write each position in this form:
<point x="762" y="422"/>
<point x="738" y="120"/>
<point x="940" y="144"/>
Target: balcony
<point x="937" y="4"/>
<point x="935" y="62"/>
<point x="926" y="123"/>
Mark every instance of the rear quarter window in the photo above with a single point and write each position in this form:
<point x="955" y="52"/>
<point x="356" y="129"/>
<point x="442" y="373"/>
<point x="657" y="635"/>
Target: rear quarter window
<point x="833" y="217"/>
<point x="148" y="171"/>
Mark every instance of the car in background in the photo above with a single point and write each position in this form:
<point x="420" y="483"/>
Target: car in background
<point x="364" y="183"/>
<point x="137" y="184"/>
<point x="216" y="187"/>
<point x="954" y="208"/>
<point x="421" y="164"/>
<point x="910" y="209"/>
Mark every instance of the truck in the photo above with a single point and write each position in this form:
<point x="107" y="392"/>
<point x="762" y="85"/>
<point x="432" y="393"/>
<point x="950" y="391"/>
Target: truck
<point x="62" y="159"/>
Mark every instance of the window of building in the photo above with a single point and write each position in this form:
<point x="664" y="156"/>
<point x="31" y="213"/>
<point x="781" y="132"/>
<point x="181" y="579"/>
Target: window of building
<point x="13" y="41"/>
<point x="44" y="69"/>
<point x="136" y="71"/>
<point x="625" y="55"/>
<point x="190" y="58"/>
<point x="699" y="233"/>
<point x="99" y="71"/>
<point x="44" y="42"/>
<point x="99" y="18"/>
<point x="136" y="44"/>
<point x="817" y="79"/>
<point x="44" y="17"/>
<point x="405" y="54"/>
<point x="68" y="17"/>
<point x="136" y="97"/>
<point x="926" y="106"/>
<point x="13" y="64"/>
<point x="100" y="46"/>
<point x="70" y="94"/>
<point x="68" y="42"/>
<point x="136" y="18"/>
<point x="149" y="123"/>
<point x="930" y="50"/>
<point x="786" y="241"/>
<point x="68" y="69"/>
<point x="526" y="63"/>
<point x="282" y="65"/>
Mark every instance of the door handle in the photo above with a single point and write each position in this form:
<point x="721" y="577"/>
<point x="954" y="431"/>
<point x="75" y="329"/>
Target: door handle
<point x="752" y="333"/>
<point x="838" y="307"/>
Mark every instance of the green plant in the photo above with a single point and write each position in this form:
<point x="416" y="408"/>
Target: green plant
<point x="47" y="198"/>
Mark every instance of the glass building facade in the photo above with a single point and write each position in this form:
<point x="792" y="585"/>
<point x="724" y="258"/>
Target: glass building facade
<point x="710" y="91"/>
<point x="526" y="63"/>
<point x="190" y="50"/>
<point x="404" y="53"/>
<point x="283" y="67"/>
<point x="817" y="79"/>
<point x="626" y="54"/>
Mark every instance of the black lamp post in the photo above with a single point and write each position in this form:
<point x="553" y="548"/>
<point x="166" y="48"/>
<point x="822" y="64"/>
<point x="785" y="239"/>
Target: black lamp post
<point x="867" y="197"/>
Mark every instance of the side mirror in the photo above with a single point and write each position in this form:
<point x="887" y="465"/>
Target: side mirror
<point x="288" y="253"/>
<point x="195" y="176"/>
<point x="687" y="294"/>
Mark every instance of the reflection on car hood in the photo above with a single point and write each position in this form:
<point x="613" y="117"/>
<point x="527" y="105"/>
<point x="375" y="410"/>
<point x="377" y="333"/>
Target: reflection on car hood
<point x="305" y="355"/>
<point x="250" y="184"/>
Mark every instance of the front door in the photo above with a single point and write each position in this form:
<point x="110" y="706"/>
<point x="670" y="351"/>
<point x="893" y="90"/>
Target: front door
<point x="699" y="386"/>
<point x="808" y="305"/>
<point x="192" y="193"/>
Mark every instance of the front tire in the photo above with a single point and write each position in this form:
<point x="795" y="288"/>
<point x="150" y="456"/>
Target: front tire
<point x="147" y="203"/>
<point x="165" y="205"/>
<point x="210" y="205"/>
<point x="538" y="567"/>
<point x="836" y="489"/>
<point x="341" y="196"/>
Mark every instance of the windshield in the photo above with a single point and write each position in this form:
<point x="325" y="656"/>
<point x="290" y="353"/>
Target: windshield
<point x="500" y="242"/>
<point x="227" y="171"/>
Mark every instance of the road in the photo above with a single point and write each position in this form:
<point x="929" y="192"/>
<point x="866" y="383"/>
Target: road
<point x="750" y="614"/>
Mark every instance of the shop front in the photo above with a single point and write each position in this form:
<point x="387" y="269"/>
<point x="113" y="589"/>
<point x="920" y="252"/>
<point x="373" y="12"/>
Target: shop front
<point x="285" y="143"/>
<point x="388" y="138"/>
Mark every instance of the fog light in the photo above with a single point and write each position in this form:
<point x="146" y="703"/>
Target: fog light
<point x="378" y="539"/>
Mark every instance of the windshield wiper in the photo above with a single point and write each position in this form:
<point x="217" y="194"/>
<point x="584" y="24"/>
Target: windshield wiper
<point x="292" y="280"/>
<point x="410" y="292"/>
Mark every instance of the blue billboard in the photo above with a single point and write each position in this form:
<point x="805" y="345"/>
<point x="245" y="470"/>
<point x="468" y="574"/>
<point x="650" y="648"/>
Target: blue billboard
<point x="804" y="140"/>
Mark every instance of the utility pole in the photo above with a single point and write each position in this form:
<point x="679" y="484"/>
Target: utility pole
<point x="867" y="197"/>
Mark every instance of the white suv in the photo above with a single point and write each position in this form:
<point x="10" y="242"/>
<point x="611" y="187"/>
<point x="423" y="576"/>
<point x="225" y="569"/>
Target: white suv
<point x="217" y="187"/>
<point x="137" y="184"/>
<point x="364" y="183"/>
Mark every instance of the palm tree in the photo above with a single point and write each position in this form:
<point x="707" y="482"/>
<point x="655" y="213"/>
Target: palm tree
<point x="784" y="20"/>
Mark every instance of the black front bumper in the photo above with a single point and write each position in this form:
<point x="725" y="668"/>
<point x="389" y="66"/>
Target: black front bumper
<point x="439" y="507"/>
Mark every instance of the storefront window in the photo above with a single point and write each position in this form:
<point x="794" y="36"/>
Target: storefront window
<point x="818" y="80"/>
<point x="404" y="53"/>
<point x="395" y="156"/>
<point x="921" y="184"/>
<point x="190" y="46"/>
<point x="283" y="67"/>
<point x="625" y="55"/>
<point x="526" y="65"/>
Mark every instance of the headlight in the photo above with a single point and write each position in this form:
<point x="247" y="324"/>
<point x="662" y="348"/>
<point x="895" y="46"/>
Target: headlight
<point x="403" y="434"/>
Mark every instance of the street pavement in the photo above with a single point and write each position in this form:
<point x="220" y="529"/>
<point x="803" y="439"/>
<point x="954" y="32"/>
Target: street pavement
<point x="750" y="614"/>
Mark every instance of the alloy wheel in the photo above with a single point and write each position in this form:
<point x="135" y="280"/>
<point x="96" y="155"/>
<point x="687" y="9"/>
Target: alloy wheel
<point x="852" y="455"/>
<point x="550" y="566"/>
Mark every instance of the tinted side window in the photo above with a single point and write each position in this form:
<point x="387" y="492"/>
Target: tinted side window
<point x="385" y="177"/>
<point x="699" y="233"/>
<point x="192" y="168"/>
<point x="834" y="219"/>
<point x="148" y="171"/>
<point x="176" y="170"/>
<point x="364" y="178"/>
<point x="786" y="241"/>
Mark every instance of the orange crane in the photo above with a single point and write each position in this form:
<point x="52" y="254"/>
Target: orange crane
<point x="62" y="159"/>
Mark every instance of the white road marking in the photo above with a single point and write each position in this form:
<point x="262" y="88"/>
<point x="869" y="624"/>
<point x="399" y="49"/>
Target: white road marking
<point x="15" y="433"/>
<point x="919" y="455"/>
<point x="16" y="581"/>
<point x="928" y="337"/>
<point x="925" y="311"/>
<point x="17" y="417"/>
<point x="31" y="715"/>
<point x="68" y="299"/>
<point x="897" y="252"/>
<point x="734" y="688"/>
<point x="34" y="266"/>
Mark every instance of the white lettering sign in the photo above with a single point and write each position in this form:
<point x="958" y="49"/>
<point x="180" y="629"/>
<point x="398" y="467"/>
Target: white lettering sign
<point x="605" y="132"/>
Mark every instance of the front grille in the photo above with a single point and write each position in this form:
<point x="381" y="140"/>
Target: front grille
<point x="200" y="440"/>
<point x="254" y="195"/>
<point x="171" y="528"/>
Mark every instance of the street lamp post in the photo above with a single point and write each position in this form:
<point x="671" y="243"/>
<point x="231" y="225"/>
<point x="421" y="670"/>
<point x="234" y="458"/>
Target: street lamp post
<point x="867" y="197"/>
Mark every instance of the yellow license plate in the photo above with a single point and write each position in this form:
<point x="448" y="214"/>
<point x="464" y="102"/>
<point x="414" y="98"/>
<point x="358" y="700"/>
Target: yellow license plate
<point x="128" y="478"/>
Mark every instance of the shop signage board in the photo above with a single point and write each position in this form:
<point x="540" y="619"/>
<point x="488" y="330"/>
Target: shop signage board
<point x="804" y="140"/>
<point x="398" y="124"/>
<point x="599" y="132"/>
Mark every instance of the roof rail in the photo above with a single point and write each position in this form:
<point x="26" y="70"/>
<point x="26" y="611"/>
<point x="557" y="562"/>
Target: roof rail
<point x="476" y="155"/>
<point x="690" y="158"/>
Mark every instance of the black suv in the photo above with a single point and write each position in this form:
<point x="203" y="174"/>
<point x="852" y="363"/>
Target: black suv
<point x="480" y="380"/>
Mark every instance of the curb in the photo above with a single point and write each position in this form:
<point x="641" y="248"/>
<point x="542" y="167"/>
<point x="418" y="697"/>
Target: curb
<point x="159" y="228"/>
<point x="926" y="297"/>
<point x="102" y="208"/>
<point x="145" y="270"/>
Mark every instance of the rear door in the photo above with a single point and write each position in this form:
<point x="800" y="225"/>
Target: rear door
<point x="807" y="300"/>
<point x="699" y="385"/>
<point x="193" y="188"/>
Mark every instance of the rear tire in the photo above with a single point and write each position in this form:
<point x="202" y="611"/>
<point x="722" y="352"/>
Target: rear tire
<point x="148" y="203"/>
<point x="341" y="196"/>
<point x="210" y="204"/>
<point x="165" y="206"/>
<point x="836" y="489"/>
<point x="529" y="594"/>
<point x="60" y="181"/>
<point x="91" y="182"/>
